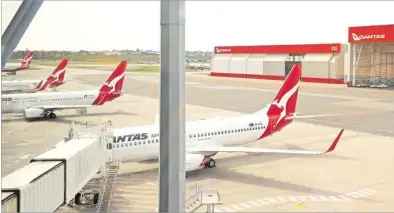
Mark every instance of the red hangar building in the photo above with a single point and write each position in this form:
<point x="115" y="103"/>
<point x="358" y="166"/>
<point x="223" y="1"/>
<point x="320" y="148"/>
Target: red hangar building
<point x="371" y="56"/>
<point x="332" y="63"/>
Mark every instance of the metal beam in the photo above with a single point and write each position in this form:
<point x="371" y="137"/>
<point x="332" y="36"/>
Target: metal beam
<point x="172" y="107"/>
<point x="14" y="23"/>
<point x="17" y="27"/>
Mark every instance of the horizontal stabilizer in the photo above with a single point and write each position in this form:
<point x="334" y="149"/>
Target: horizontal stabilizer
<point x="308" y="116"/>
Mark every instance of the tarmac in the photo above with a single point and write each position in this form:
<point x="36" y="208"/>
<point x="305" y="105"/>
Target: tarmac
<point x="357" y="176"/>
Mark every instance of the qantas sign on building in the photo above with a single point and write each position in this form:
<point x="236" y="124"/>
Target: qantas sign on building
<point x="371" y="34"/>
<point x="279" y="49"/>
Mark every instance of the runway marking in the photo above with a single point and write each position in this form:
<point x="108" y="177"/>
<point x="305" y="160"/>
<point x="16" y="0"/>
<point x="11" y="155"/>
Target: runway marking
<point x="363" y="193"/>
<point x="311" y="198"/>
<point x="292" y="198"/>
<point x="27" y="143"/>
<point x="9" y="132"/>
<point x="254" y="203"/>
<point x="262" y="202"/>
<point x="383" y="130"/>
<point x="323" y="198"/>
<point x="226" y="209"/>
<point x="16" y="161"/>
<point x="353" y="194"/>
<point x="370" y="190"/>
<point x="333" y="198"/>
<point x="343" y="197"/>
<point x="245" y="205"/>
<point x="7" y="165"/>
<point x="236" y="207"/>
<point x="271" y="200"/>
<point x="26" y="156"/>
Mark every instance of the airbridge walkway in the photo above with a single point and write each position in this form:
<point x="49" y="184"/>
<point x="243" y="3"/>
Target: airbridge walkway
<point x="59" y="176"/>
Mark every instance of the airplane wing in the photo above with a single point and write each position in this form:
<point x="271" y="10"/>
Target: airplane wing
<point x="259" y="150"/>
<point x="59" y="107"/>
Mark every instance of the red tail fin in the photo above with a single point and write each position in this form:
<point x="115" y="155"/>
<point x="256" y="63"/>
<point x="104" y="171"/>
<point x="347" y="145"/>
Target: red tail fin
<point x="288" y="93"/>
<point x="57" y="76"/>
<point x="285" y="101"/>
<point x="26" y="62"/>
<point x="112" y="88"/>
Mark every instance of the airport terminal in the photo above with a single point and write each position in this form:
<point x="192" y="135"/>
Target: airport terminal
<point x="268" y="128"/>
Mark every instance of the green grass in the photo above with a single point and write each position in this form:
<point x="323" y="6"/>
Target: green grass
<point x="143" y="69"/>
<point x="104" y="59"/>
<point x="79" y="65"/>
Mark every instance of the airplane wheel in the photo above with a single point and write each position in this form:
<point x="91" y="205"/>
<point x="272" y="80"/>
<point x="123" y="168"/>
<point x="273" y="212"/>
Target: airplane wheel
<point x="211" y="163"/>
<point x="78" y="199"/>
<point x="95" y="198"/>
<point x="52" y="115"/>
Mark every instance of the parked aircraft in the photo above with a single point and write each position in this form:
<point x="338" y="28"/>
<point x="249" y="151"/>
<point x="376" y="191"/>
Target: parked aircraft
<point x="198" y="65"/>
<point x="39" y="105"/>
<point x="12" y="68"/>
<point x="205" y="138"/>
<point x="31" y="86"/>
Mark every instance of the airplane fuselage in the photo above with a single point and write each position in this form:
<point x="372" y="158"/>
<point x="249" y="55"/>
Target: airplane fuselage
<point x="24" y="86"/>
<point x="200" y="66"/>
<point x="17" y="103"/>
<point x="142" y="143"/>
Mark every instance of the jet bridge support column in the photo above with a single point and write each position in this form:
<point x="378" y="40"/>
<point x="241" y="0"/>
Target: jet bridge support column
<point x="17" y="27"/>
<point x="172" y="107"/>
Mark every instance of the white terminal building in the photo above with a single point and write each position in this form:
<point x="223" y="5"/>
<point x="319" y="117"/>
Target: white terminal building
<point x="368" y="59"/>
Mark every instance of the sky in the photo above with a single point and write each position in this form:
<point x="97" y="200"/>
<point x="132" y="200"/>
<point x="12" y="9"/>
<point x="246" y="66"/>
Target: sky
<point x="107" y="25"/>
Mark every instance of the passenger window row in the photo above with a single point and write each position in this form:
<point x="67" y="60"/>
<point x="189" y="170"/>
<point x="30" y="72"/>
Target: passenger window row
<point x="120" y="145"/>
<point x="46" y="100"/>
<point x="225" y="132"/>
<point x="136" y="143"/>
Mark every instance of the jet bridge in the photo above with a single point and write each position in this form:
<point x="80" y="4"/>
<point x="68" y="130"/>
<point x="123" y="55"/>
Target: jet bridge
<point x="57" y="176"/>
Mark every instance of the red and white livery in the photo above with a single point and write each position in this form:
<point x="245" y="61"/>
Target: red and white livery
<point x="11" y="69"/>
<point x="205" y="138"/>
<point x="31" y="86"/>
<point x="38" y="105"/>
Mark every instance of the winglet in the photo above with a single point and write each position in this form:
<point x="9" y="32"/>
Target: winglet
<point x="334" y="144"/>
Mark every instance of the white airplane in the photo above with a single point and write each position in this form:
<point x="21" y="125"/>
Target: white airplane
<point x="198" y="66"/>
<point x="39" y="105"/>
<point x="31" y="86"/>
<point x="205" y="138"/>
<point x="12" y="68"/>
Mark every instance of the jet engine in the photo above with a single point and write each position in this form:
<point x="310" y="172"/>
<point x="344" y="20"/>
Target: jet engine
<point x="33" y="113"/>
<point x="194" y="162"/>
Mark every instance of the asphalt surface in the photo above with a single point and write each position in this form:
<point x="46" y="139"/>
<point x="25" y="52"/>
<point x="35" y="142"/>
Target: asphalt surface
<point x="364" y="110"/>
<point x="356" y="177"/>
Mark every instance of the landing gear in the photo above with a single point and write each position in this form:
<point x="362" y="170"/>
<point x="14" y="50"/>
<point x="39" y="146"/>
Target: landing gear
<point x="211" y="163"/>
<point x="50" y="115"/>
<point x="87" y="197"/>
<point x="77" y="199"/>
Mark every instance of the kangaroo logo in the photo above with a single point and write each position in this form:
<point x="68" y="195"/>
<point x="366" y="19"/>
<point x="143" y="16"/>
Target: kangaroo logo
<point x="113" y="83"/>
<point x="355" y="37"/>
<point x="56" y="75"/>
<point x="281" y="104"/>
